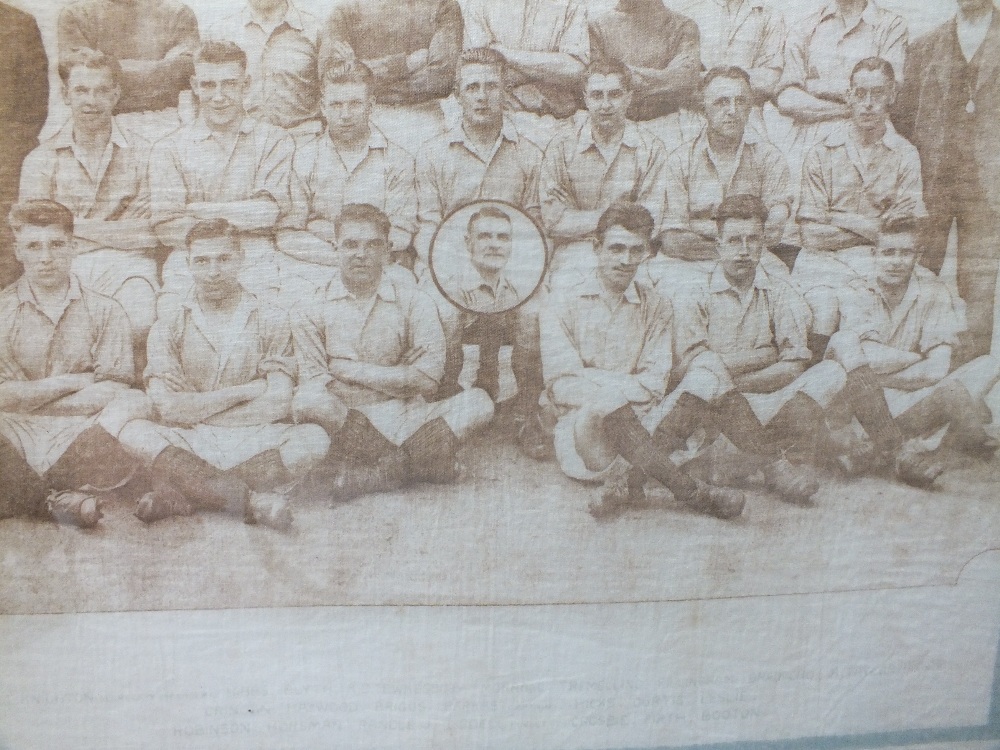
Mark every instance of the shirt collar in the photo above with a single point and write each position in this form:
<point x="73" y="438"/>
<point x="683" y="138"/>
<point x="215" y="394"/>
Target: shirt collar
<point x="248" y="304"/>
<point x="471" y="280"/>
<point x="336" y="290"/>
<point x="718" y="282"/>
<point x="909" y="296"/>
<point x="591" y="287"/>
<point x="842" y="134"/>
<point x="199" y="131"/>
<point x="508" y="132"/>
<point x="26" y="296"/>
<point x="750" y="138"/>
<point x="630" y="136"/>
<point x="64" y="137"/>
<point x="292" y="17"/>
<point x="376" y="138"/>
<point x="869" y="15"/>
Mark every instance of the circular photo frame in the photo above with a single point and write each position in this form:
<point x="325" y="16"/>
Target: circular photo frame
<point x="488" y="257"/>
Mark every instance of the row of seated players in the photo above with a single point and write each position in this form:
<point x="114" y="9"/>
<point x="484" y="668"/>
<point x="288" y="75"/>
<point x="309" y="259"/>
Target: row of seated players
<point x="129" y="198"/>
<point x="244" y="403"/>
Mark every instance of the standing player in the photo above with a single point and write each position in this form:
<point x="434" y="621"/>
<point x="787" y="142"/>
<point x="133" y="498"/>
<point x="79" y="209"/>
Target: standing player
<point x="98" y="171"/>
<point x="371" y="352"/>
<point x="65" y="375"/>
<point x="220" y="375"/>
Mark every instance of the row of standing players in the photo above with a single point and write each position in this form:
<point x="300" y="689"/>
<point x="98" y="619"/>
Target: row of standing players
<point x="837" y="231"/>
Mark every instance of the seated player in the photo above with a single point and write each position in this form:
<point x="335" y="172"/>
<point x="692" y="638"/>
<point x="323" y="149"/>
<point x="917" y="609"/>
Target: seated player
<point x="726" y="158"/>
<point x="862" y="175"/>
<point x="371" y="352"/>
<point x="607" y="354"/>
<point x="225" y="165"/>
<point x="352" y="161"/>
<point x="65" y="375"/>
<point x="220" y="376"/>
<point x="98" y="171"/>
<point x="898" y="331"/>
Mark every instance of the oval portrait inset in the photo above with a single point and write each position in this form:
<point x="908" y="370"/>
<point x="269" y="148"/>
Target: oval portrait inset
<point x="488" y="257"/>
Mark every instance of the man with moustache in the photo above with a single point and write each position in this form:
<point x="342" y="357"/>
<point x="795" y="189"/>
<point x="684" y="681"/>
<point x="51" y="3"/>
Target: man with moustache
<point x="371" y="354"/>
<point x="949" y="107"/>
<point x="225" y="165"/>
<point x="98" y="171"/>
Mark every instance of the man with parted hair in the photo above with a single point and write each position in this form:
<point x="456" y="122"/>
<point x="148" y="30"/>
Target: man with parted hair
<point x="351" y="161"/>
<point x="221" y="375"/>
<point x="607" y="355"/>
<point x="862" y="175"/>
<point x="99" y="171"/>
<point x="225" y="165"/>
<point x="371" y="354"/>
<point x="489" y="238"/>
<point x="65" y="376"/>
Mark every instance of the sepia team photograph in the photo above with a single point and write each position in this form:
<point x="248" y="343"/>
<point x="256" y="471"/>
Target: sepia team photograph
<point x="388" y="302"/>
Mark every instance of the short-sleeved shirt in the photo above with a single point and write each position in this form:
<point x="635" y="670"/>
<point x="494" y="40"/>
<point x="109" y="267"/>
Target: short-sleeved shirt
<point x="91" y="336"/>
<point x="714" y="315"/>
<point x="384" y="178"/>
<point x="382" y="33"/>
<point x="579" y="331"/>
<point x="450" y="173"/>
<point x="258" y="342"/>
<point x="648" y="35"/>
<point x="835" y="177"/>
<point x="282" y="64"/>
<point x="380" y="331"/>
<point x="118" y="190"/>
<point x="751" y="35"/>
<point x="164" y="32"/>
<point x="474" y="292"/>
<point x="695" y="189"/>
<point x="573" y="163"/>
<point x="532" y="26"/>
<point x="821" y="48"/>
<point x="190" y="166"/>
<point x="924" y="319"/>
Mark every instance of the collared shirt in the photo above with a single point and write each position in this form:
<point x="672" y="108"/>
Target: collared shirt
<point x="694" y="187"/>
<point x="380" y="331"/>
<point x="257" y="342"/>
<point x="648" y="35"/>
<point x="821" y="48"/>
<point x="749" y="35"/>
<point x="118" y="190"/>
<point x="579" y="331"/>
<point x="474" y="292"/>
<point x="450" y="173"/>
<point x="163" y="33"/>
<point x="836" y="178"/>
<point x="532" y="26"/>
<point x="282" y="63"/>
<point x="573" y="163"/>
<point x="191" y="166"/>
<point x="384" y="178"/>
<point x="382" y="33"/>
<point x="91" y="335"/>
<point x="925" y="317"/>
<point x="714" y="315"/>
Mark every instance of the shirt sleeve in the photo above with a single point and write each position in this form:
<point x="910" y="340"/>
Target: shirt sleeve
<point x="677" y="199"/>
<point x="278" y="351"/>
<point x="893" y="41"/>
<point x="941" y="324"/>
<point x="792" y="320"/>
<point x="477" y="29"/>
<point x="690" y="324"/>
<point x="858" y="313"/>
<point x="113" y="353"/>
<point x="816" y="194"/>
<point x="401" y="197"/>
<point x="530" y="202"/>
<point x="37" y="175"/>
<point x="656" y="359"/>
<point x="162" y="352"/>
<point x="575" y="37"/>
<point x="274" y="175"/>
<point x="652" y="188"/>
<point x="560" y="356"/>
<point x="429" y="203"/>
<point x="795" y="70"/>
<point x="167" y="189"/>
<point x="310" y="346"/>
<point x="777" y="187"/>
<point x="911" y="182"/>
<point x="771" y="52"/>
<point x="426" y="334"/>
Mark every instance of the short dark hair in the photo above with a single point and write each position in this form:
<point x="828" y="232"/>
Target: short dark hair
<point x="634" y="217"/>
<point x="609" y="66"/>
<point x="363" y="213"/>
<point x="725" y="71"/>
<point x="741" y="206"/>
<point x="40" y="213"/>
<point x="341" y="72"/>
<point x="875" y="65"/>
<point x="482" y="56"/>
<point x="487" y="212"/>
<point x="211" y="230"/>
<point x="218" y="52"/>
<point x="89" y="58"/>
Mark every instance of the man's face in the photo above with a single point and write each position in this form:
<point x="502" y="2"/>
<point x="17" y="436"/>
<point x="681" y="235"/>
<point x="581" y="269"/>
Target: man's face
<point x="481" y="94"/>
<point x="489" y="242"/>
<point x="91" y="94"/>
<point x="741" y="242"/>
<point x="619" y="255"/>
<point x="46" y="254"/>
<point x="220" y="89"/>
<point x="347" y="107"/>
<point x="869" y="98"/>
<point x="607" y="100"/>
<point x="364" y="252"/>
<point x="974" y="7"/>
<point x="727" y="107"/>
<point x="215" y="265"/>
<point x="895" y="258"/>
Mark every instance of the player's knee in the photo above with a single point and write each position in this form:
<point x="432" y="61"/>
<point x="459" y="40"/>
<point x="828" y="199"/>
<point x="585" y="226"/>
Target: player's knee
<point x="138" y="298"/>
<point x="825" y="306"/>
<point x="304" y="448"/>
